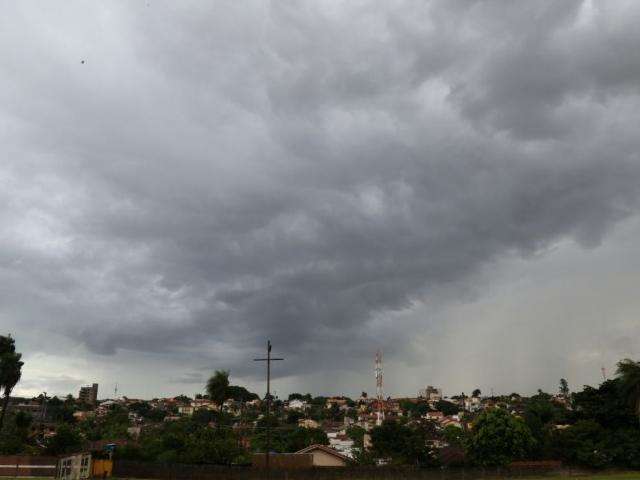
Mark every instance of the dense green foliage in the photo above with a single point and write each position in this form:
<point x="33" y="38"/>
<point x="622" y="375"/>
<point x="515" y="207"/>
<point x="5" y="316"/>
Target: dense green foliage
<point x="498" y="438"/>
<point x="629" y="376"/>
<point x="289" y="439"/>
<point x="402" y="444"/>
<point x="10" y="371"/>
<point x="14" y="437"/>
<point x="541" y="415"/>
<point x="448" y="408"/>
<point x="66" y="440"/>
<point x="186" y="441"/>
<point x="217" y="386"/>
<point x="603" y="430"/>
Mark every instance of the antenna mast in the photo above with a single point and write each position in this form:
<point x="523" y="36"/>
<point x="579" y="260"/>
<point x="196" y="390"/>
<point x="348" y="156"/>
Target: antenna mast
<point x="379" y="392"/>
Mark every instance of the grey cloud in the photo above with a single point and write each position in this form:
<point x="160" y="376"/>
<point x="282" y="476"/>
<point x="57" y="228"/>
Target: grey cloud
<point x="190" y="379"/>
<point x="216" y="175"/>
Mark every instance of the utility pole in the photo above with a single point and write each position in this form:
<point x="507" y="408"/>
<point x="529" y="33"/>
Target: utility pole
<point x="43" y="411"/>
<point x="269" y="359"/>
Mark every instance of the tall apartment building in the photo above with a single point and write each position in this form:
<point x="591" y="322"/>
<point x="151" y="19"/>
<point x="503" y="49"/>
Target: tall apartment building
<point x="89" y="394"/>
<point x="432" y="394"/>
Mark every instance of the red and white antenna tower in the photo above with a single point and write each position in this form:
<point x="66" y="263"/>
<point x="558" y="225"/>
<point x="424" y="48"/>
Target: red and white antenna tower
<point x="604" y="373"/>
<point x="379" y="392"/>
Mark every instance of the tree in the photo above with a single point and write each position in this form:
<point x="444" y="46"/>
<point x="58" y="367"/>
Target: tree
<point x="401" y="444"/>
<point x="540" y="415"/>
<point x="476" y="393"/>
<point x="604" y="404"/>
<point x="240" y="394"/>
<point x="454" y="435"/>
<point x="185" y="441"/>
<point x="66" y="440"/>
<point x="564" y="387"/>
<point x="498" y="438"/>
<point x="448" y="408"/>
<point x="298" y="396"/>
<point x="628" y="373"/>
<point x="356" y="433"/>
<point x="294" y="416"/>
<point x="414" y="409"/>
<point x="583" y="444"/>
<point x="288" y="440"/>
<point x="217" y="386"/>
<point x="10" y="371"/>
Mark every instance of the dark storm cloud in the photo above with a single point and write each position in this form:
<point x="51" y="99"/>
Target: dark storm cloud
<point x="217" y="174"/>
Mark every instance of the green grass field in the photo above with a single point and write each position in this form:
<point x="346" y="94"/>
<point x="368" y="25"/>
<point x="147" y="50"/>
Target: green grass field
<point x="611" y="476"/>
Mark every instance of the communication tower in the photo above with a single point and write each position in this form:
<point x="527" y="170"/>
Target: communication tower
<point x="379" y="391"/>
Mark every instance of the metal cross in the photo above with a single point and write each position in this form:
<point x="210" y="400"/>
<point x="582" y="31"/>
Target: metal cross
<point x="269" y="359"/>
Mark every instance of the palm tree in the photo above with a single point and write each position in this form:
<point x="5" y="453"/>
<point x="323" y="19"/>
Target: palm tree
<point x="10" y="371"/>
<point x="628" y="373"/>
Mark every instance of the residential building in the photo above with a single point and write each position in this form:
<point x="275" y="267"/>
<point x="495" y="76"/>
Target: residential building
<point x="308" y="423"/>
<point x="89" y="394"/>
<point x="205" y="403"/>
<point x="297" y="404"/>
<point x="432" y="394"/>
<point x="341" y="402"/>
<point x="435" y="416"/>
<point x="452" y="420"/>
<point x="472" y="404"/>
<point x="341" y="443"/>
<point x="325" y="456"/>
<point x="186" y="410"/>
<point x="83" y="415"/>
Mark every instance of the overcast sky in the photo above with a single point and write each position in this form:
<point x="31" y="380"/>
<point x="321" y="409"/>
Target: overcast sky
<point x="454" y="182"/>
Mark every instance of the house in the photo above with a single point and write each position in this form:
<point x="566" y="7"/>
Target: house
<point x="436" y="416"/>
<point x="341" y="443"/>
<point x="366" y="441"/>
<point x="341" y="402"/>
<point x="186" y="410"/>
<point x="308" y="423"/>
<point x="105" y="407"/>
<point x="393" y="406"/>
<point x="83" y="415"/>
<point x="367" y="421"/>
<point x="232" y="406"/>
<point x="325" y="457"/>
<point x="297" y="404"/>
<point x="472" y="404"/>
<point x="452" y="420"/>
<point x="205" y="403"/>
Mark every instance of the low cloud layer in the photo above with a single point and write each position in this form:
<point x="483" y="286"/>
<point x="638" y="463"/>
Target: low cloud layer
<point x="182" y="181"/>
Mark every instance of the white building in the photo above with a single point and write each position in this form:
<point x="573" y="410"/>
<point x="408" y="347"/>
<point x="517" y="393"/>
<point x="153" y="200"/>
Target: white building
<point x="297" y="404"/>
